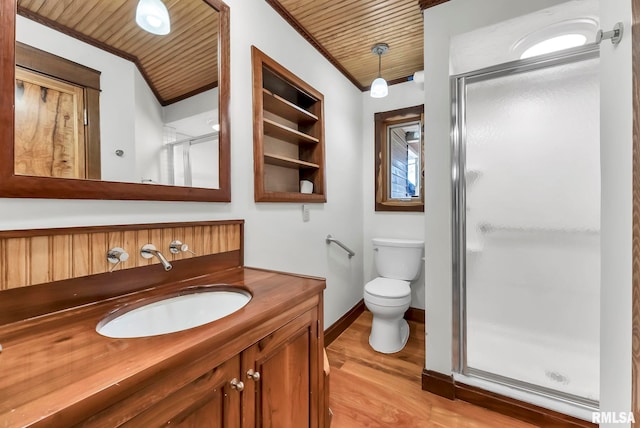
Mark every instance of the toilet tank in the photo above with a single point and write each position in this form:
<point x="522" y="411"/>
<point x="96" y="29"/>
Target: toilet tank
<point x="398" y="258"/>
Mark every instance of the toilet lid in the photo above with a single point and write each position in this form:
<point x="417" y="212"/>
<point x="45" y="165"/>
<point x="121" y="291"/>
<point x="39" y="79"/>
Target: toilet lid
<point x="389" y="288"/>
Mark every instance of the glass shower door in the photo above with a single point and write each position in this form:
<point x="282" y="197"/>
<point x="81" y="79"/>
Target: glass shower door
<point x="528" y="218"/>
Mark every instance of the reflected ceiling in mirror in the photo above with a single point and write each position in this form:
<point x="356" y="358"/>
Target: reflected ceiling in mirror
<point x="139" y="75"/>
<point x="158" y="113"/>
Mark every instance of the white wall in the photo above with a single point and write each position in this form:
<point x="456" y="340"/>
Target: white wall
<point x="616" y="146"/>
<point x="459" y="16"/>
<point x="203" y="102"/>
<point x="148" y="132"/>
<point x="387" y="224"/>
<point x="275" y="235"/>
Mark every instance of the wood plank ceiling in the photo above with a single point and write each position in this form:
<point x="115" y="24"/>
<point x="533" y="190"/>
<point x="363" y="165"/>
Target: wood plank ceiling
<point x="345" y="31"/>
<point x="180" y="64"/>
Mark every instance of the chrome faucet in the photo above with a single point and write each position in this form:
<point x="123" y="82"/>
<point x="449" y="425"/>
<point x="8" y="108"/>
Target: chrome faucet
<point x="149" y="250"/>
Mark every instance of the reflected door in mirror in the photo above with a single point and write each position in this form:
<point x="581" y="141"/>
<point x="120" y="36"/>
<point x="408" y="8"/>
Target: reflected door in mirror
<point x="49" y="135"/>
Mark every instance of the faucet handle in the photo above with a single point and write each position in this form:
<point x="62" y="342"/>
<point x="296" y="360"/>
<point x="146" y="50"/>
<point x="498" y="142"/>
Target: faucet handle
<point x="177" y="247"/>
<point x="116" y="256"/>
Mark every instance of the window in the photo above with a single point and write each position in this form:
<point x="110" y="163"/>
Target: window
<point x="399" y="163"/>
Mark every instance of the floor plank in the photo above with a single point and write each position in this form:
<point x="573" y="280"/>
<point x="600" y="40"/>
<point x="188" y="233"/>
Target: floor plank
<point x="370" y="389"/>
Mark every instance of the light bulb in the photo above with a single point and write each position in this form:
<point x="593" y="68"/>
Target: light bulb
<point x="153" y="16"/>
<point x="379" y="88"/>
<point x="555" y="44"/>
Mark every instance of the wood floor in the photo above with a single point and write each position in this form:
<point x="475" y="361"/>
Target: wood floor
<point x="369" y="389"/>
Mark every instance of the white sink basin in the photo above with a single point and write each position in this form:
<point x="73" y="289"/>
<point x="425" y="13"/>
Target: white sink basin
<point x="174" y="314"/>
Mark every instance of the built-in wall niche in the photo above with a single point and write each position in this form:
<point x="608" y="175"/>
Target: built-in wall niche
<point x="288" y="135"/>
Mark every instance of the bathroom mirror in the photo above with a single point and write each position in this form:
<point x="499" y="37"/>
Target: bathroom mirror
<point x="399" y="162"/>
<point x="149" y="123"/>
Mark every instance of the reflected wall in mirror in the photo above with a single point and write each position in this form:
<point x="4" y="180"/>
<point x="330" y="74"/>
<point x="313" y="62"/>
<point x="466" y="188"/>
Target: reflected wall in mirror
<point x="101" y="103"/>
<point x="399" y="163"/>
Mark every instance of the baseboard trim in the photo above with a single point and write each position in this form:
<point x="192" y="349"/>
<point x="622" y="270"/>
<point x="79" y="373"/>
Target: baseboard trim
<point x="445" y="386"/>
<point x="439" y="384"/>
<point x="336" y="329"/>
<point x="518" y="409"/>
<point x="415" y="315"/>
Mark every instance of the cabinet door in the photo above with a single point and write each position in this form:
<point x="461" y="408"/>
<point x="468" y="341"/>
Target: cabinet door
<point x="210" y="401"/>
<point x="282" y="378"/>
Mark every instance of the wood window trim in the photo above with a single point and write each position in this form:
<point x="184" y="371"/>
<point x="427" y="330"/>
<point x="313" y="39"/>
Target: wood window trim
<point x="39" y="61"/>
<point x="382" y="121"/>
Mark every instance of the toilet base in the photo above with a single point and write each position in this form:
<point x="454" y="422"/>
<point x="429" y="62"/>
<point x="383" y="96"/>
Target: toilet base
<point x="388" y="337"/>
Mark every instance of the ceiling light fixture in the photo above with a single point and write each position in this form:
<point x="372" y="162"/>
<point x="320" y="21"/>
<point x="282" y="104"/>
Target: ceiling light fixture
<point x="153" y="16"/>
<point x="379" y="88"/>
<point x="556" y="37"/>
<point x="555" y="44"/>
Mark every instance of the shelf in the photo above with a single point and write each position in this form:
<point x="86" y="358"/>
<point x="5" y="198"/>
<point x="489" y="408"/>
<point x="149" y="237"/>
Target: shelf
<point x="492" y="228"/>
<point x="286" y="88"/>
<point x="276" y="130"/>
<point x="286" y="109"/>
<point x="288" y="134"/>
<point x="288" y="162"/>
<point x="291" y="197"/>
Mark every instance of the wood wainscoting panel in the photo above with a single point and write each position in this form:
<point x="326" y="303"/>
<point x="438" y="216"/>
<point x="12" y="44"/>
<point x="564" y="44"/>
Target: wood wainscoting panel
<point x="80" y="264"/>
<point x="62" y="268"/>
<point x="30" y="257"/>
<point x="635" y="251"/>
<point x="16" y="258"/>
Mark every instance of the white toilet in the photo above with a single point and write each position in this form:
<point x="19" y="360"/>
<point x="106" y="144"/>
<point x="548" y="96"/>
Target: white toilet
<point x="398" y="261"/>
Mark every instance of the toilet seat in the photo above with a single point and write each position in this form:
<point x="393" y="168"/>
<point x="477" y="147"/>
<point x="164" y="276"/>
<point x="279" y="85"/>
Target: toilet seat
<point x="387" y="292"/>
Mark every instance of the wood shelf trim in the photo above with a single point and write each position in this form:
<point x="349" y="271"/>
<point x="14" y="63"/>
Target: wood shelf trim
<point x="277" y="130"/>
<point x="288" y="125"/>
<point x="286" y="109"/>
<point x="287" y="162"/>
<point x="292" y="197"/>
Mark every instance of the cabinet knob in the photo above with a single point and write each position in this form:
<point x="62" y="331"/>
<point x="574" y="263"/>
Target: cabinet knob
<point x="237" y="384"/>
<point x="253" y="375"/>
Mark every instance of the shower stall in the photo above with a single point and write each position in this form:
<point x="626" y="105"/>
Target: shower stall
<point x="526" y="180"/>
<point x="191" y="161"/>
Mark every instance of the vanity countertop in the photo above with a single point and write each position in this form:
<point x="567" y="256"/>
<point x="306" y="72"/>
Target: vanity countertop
<point x="55" y="369"/>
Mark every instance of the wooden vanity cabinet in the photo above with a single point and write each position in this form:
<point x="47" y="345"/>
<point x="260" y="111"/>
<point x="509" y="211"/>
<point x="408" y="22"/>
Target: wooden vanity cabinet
<point x="282" y="374"/>
<point x="209" y="401"/>
<point x="274" y="382"/>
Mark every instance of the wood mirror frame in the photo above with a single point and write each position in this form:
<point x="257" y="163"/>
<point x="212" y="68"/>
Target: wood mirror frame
<point x="22" y="186"/>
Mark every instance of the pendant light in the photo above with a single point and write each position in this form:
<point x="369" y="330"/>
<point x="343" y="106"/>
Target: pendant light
<point x="379" y="88"/>
<point x="153" y="16"/>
